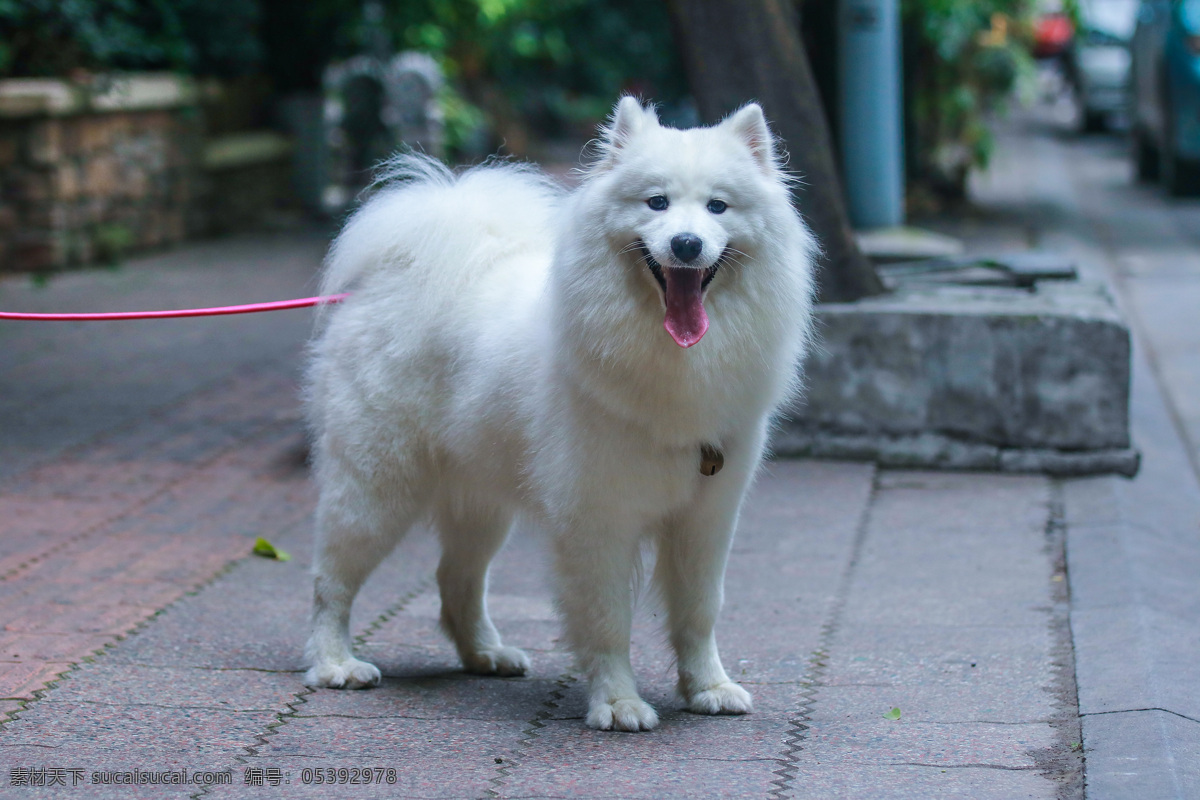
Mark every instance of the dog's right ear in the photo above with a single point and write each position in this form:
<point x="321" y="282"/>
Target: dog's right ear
<point x="629" y="118"/>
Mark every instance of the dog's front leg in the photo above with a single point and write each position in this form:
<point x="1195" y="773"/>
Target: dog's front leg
<point x="595" y="572"/>
<point x="690" y="573"/>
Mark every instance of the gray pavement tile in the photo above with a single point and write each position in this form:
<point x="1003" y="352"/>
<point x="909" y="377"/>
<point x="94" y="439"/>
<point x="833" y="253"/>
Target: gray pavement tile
<point x="688" y="755"/>
<point x="402" y="660"/>
<point x="256" y="615"/>
<point x="921" y="566"/>
<point x="798" y="491"/>
<point x="924" y="579"/>
<point x="775" y="649"/>
<point x="778" y="701"/>
<point x="404" y="784"/>
<point x="1152" y="568"/>
<point x="524" y="620"/>
<point x="1091" y="501"/>
<point x="432" y="695"/>
<point x="1131" y="545"/>
<point x="106" y="737"/>
<point x="969" y="501"/>
<point x="1134" y="604"/>
<point x="1133" y="657"/>
<point x="1142" y="754"/>
<point x="985" y="596"/>
<point x="798" y="587"/>
<point x="848" y="730"/>
<point x="230" y="624"/>
<point x="684" y="776"/>
<point x="913" y="782"/>
<point x="1096" y="562"/>
<point x="986" y="703"/>
<point x="433" y="758"/>
<point x="95" y="788"/>
<point x="113" y="684"/>
<point x="998" y="674"/>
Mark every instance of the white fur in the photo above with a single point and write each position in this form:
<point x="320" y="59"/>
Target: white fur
<point x="503" y="351"/>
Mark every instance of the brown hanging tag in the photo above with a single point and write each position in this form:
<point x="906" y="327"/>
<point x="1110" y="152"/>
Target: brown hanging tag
<point x="711" y="460"/>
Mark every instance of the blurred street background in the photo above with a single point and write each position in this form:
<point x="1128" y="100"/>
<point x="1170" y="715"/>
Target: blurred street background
<point x="943" y="609"/>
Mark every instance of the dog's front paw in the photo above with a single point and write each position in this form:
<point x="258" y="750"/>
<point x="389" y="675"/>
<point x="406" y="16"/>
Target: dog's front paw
<point x="349" y="674"/>
<point x="724" y="698"/>
<point x="625" y="714"/>
<point x="507" y="662"/>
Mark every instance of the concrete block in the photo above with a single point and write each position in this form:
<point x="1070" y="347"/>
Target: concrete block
<point x="970" y="378"/>
<point x="902" y="243"/>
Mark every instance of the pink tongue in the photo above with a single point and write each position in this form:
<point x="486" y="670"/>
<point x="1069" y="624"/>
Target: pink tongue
<point x="685" y="320"/>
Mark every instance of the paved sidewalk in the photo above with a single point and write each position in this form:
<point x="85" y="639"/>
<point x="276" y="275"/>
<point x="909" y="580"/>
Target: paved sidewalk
<point x="1134" y="546"/>
<point x="139" y="461"/>
<point x="142" y="459"/>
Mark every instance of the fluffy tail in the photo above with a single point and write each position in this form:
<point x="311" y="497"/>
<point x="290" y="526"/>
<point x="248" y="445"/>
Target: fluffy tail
<point x="422" y="212"/>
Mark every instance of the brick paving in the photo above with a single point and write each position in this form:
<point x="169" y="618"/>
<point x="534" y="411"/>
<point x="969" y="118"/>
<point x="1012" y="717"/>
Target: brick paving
<point x="101" y="539"/>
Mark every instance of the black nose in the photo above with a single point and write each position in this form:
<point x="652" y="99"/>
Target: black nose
<point x="686" y="246"/>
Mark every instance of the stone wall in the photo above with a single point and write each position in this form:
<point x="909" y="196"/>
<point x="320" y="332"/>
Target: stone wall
<point x="87" y="174"/>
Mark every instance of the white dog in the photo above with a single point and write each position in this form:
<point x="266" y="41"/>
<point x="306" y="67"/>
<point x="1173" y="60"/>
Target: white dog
<point x="504" y="351"/>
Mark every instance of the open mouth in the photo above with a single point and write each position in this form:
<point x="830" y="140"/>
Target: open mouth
<point x="656" y="269"/>
<point x="683" y="294"/>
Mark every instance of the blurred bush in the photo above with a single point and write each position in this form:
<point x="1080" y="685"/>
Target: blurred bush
<point x="523" y="66"/>
<point x="64" y="37"/>
<point x="549" y="67"/>
<point x="963" y="59"/>
<point x="518" y="68"/>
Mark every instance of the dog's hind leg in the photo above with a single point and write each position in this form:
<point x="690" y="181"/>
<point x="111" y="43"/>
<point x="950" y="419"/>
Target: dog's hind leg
<point x="690" y="573"/>
<point x="471" y="535"/>
<point x="356" y="529"/>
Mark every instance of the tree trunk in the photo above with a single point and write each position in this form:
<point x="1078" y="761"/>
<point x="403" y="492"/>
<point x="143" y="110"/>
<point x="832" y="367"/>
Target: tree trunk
<point x="735" y="52"/>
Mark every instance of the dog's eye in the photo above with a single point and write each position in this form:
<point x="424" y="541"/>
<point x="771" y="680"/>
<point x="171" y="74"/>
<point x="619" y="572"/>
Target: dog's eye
<point x="717" y="206"/>
<point x="658" y="203"/>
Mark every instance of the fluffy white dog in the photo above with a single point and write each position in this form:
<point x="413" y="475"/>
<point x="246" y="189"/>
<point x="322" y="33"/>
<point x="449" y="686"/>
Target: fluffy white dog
<point x="590" y="359"/>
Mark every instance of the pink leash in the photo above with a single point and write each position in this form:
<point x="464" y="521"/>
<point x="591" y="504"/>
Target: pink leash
<point x="250" y="308"/>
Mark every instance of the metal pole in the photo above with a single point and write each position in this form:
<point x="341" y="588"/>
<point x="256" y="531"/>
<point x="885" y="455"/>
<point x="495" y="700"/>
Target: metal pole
<point x="869" y="82"/>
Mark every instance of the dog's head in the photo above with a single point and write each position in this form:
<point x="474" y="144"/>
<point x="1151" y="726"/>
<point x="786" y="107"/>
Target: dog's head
<point x="685" y="204"/>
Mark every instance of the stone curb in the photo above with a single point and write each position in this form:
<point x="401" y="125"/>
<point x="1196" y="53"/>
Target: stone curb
<point x="937" y="451"/>
<point x="956" y="377"/>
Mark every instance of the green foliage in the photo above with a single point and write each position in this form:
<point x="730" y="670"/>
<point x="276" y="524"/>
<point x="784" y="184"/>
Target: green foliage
<point x="264" y="548"/>
<point x="112" y="241"/>
<point x="962" y="61"/>
<point x="557" y="61"/>
<point x="554" y="63"/>
<point x="464" y="122"/>
<point x="550" y="61"/>
<point x="57" y="37"/>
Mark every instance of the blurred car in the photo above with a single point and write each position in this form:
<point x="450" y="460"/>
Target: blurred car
<point x="1166" y="94"/>
<point x="1052" y="34"/>
<point x="1098" y="60"/>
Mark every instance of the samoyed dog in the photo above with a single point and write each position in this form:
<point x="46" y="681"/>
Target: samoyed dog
<point x="605" y="362"/>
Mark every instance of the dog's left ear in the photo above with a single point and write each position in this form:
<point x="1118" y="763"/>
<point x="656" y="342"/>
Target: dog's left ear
<point x="749" y="125"/>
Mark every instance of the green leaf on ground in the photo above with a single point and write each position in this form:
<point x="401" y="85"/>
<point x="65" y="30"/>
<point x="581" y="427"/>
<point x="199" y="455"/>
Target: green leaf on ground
<point x="267" y="550"/>
<point x="893" y="714"/>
